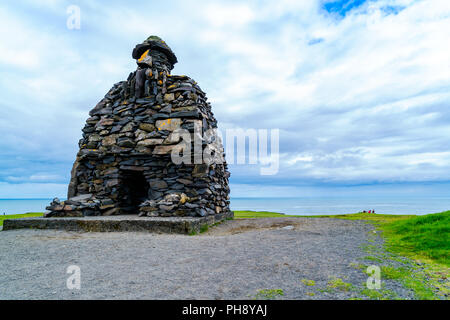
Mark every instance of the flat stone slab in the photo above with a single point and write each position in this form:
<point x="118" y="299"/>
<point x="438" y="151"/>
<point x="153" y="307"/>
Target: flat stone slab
<point x="120" y="223"/>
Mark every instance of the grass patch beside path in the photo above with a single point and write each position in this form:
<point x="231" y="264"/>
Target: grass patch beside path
<point x="259" y="214"/>
<point x="421" y="237"/>
<point x="268" y="294"/>
<point x="372" y="217"/>
<point x="16" y="216"/>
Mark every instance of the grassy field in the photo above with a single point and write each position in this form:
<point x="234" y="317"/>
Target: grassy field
<point x="257" y="214"/>
<point x="16" y="216"/>
<point x="421" y="237"/>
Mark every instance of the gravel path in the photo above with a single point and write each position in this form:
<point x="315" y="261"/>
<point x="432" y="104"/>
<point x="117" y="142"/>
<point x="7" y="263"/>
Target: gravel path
<point x="235" y="260"/>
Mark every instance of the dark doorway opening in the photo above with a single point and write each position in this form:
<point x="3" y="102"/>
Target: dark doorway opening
<point x="134" y="191"/>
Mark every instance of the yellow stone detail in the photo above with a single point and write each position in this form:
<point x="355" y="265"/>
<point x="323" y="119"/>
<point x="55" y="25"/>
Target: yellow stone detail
<point x="144" y="55"/>
<point x="183" y="198"/>
<point x="164" y="123"/>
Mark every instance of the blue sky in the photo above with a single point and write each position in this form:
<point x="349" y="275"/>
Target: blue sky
<point x="342" y="6"/>
<point x="358" y="89"/>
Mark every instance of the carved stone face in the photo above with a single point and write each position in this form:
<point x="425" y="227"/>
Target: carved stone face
<point x="145" y="60"/>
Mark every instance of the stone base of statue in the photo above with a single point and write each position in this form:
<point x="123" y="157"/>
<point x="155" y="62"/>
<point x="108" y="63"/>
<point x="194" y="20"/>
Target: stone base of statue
<point x="180" y="225"/>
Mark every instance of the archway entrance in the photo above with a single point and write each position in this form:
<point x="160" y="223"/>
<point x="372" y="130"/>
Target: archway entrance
<point x="134" y="191"/>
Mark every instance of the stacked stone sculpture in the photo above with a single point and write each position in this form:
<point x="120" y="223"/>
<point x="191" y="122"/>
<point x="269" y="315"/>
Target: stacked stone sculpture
<point x="126" y="165"/>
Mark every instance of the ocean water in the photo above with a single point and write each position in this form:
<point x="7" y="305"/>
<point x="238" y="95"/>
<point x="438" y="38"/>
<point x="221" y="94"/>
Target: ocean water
<point x="300" y="206"/>
<point x="343" y="205"/>
<point x="18" y="206"/>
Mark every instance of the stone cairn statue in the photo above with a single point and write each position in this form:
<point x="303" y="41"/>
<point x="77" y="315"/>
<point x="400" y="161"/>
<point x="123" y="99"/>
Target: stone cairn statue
<point x="125" y="162"/>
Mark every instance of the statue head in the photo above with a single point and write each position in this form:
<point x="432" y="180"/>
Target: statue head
<point x="154" y="52"/>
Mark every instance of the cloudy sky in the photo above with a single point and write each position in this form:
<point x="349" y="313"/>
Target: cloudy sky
<point x="359" y="89"/>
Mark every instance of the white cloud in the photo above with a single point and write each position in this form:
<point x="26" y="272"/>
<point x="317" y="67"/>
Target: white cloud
<point x="228" y="15"/>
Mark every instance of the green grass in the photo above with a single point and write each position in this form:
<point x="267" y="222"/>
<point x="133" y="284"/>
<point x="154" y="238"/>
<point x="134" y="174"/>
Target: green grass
<point x="338" y="283"/>
<point x="373" y="259"/>
<point x="16" y="216"/>
<point x="390" y="272"/>
<point x="269" y="294"/>
<point x="421" y="237"/>
<point x="380" y="218"/>
<point x="381" y="294"/>
<point x="204" y="228"/>
<point x="370" y="217"/>
<point x="256" y="214"/>
<point x="414" y="280"/>
<point x="309" y="283"/>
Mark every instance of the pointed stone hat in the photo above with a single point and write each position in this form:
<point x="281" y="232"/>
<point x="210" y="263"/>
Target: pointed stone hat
<point x="154" y="43"/>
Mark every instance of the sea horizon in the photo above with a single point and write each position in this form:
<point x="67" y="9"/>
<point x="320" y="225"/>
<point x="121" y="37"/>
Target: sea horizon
<point x="288" y="205"/>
